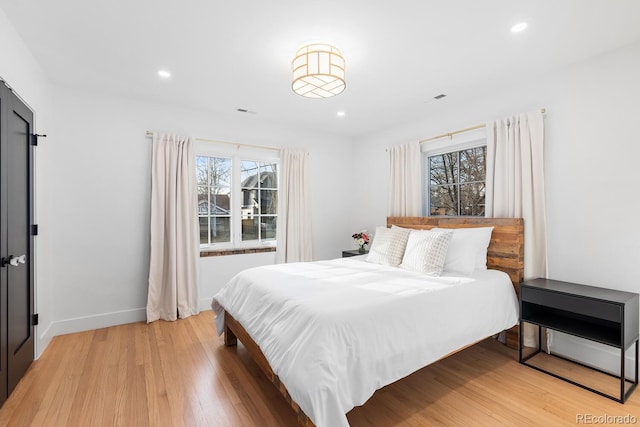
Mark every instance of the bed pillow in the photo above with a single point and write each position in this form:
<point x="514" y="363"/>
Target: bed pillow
<point x="403" y="235"/>
<point x="426" y="252"/>
<point x="467" y="249"/>
<point x="388" y="246"/>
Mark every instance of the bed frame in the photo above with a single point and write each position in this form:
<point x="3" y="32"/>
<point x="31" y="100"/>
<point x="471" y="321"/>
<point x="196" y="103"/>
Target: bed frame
<point x="505" y="253"/>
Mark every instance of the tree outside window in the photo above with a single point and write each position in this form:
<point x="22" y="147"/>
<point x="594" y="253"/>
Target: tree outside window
<point x="214" y="199"/>
<point x="457" y="182"/>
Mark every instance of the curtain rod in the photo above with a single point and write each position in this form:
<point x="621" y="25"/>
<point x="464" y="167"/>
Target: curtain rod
<point x="237" y="144"/>
<point x="450" y="134"/>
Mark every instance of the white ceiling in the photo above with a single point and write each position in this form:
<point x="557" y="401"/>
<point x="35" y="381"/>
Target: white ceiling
<point x="226" y="55"/>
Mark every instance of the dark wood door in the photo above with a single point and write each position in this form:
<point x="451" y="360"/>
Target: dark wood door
<point x="16" y="240"/>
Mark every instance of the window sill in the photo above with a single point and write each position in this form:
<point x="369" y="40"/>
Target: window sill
<point x="224" y="252"/>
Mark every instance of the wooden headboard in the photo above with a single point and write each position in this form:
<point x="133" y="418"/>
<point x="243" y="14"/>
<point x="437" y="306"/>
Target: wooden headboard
<point x="506" y="249"/>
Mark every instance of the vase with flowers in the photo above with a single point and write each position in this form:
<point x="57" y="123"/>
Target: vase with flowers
<point x="362" y="239"/>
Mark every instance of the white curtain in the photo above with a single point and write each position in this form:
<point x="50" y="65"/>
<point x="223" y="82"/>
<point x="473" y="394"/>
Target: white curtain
<point x="173" y="278"/>
<point x="294" y="212"/>
<point x="515" y="186"/>
<point x="405" y="195"/>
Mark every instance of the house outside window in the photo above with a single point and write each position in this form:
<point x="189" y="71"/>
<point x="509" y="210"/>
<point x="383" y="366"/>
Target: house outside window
<point x="237" y="199"/>
<point x="455" y="180"/>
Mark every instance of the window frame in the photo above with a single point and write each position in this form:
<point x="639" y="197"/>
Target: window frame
<point x="238" y="153"/>
<point x="472" y="139"/>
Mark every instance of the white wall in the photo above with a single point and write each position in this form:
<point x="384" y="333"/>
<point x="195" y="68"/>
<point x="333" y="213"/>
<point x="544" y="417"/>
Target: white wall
<point x="591" y="167"/>
<point x="23" y="73"/>
<point x="101" y="186"/>
<point x="592" y="184"/>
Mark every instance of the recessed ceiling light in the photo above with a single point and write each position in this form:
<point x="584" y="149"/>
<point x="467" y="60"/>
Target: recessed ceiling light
<point x="164" y="74"/>
<point x="519" y="27"/>
<point x="340" y="113"/>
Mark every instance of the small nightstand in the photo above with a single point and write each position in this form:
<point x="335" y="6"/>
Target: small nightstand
<point x="602" y="315"/>
<point x="355" y="252"/>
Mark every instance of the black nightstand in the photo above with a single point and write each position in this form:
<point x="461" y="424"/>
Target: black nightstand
<point x="355" y="252"/>
<point x="603" y="315"/>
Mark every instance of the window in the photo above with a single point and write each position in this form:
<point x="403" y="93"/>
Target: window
<point x="259" y="200"/>
<point x="237" y="200"/>
<point x="214" y="199"/>
<point x="457" y="181"/>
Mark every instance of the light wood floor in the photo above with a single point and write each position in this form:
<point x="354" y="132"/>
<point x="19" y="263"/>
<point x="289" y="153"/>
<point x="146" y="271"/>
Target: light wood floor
<point x="181" y="374"/>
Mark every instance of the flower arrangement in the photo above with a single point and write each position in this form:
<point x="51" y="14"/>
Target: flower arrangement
<point x="362" y="239"/>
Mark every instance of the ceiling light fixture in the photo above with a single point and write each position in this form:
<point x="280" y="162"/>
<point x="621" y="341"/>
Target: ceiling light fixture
<point x="318" y="71"/>
<point x="164" y="74"/>
<point x="519" y="27"/>
<point x="340" y="114"/>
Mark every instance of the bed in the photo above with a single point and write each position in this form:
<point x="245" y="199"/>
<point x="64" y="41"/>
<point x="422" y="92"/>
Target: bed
<point x="330" y="333"/>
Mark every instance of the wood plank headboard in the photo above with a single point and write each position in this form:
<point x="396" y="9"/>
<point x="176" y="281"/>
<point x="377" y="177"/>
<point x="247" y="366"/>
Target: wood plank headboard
<point x="506" y="249"/>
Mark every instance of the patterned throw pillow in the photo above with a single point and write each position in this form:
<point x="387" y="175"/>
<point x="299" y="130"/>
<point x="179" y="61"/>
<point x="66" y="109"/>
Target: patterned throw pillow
<point x="426" y="252"/>
<point x="388" y="246"/>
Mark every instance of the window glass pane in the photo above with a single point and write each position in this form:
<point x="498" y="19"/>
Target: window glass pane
<point x="443" y="200"/>
<point x="220" y="201"/>
<point x="203" y="200"/>
<point x="443" y="169"/>
<point x="250" y="204"/>
<point x="472" y="199"/>
<point x="249" y="228"/>
<point x="249" y="174"/>
<point x="268" y="175"/>
<point x="204" y="231"/>
<point x="220" y="229"/>
<point x="220" y="171"/>
<point x="472" y="164"/>
<point x="202" y="170"/>
<point x="268" y="227"/>
<point x="268" y="201"/>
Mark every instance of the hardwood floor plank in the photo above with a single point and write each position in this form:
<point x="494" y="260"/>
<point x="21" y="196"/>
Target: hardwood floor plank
<point x="181" y="374"/>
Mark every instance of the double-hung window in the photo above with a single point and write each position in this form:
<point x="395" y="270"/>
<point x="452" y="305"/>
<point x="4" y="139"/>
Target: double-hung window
<point x="455" y="179"/>
<point x="237" y="198"/>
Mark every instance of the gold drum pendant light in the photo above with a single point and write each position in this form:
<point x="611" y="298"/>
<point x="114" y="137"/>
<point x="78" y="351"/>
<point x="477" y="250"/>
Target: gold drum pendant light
<point x="318" y="71"/>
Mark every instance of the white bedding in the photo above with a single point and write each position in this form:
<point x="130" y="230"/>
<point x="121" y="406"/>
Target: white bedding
<point x="336" y="331"/>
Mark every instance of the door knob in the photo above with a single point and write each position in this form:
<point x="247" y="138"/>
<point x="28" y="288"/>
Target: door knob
<point x="15" y="261"/>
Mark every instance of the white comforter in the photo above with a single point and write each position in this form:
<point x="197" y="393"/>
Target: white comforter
<point x="336" y="331"/>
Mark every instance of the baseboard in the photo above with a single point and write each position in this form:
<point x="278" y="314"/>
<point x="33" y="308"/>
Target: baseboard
<point x="44" y="338"/>
<point x="593" y="354"/>
<point x="86" y="323"/>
